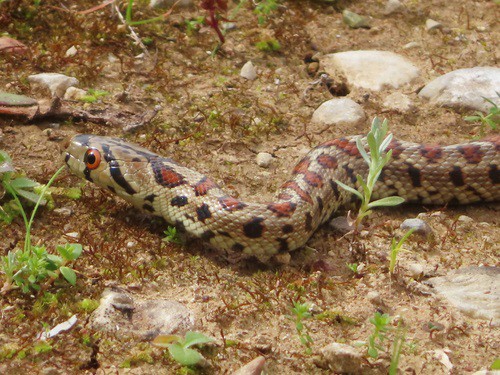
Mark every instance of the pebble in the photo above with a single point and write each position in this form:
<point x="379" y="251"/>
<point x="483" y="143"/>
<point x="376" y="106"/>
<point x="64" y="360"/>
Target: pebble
<point x="248" y="71"/>
<point x="371" y="69"/>
<point x="170" y="3"/>
<point x="472" y="290"/>
<point x="416" y="270"/>
<point x="264" y="159"/>
<point x="341" y="224"/>
<point x="340" y="358"/>
<point x="63" y="211"/>
<point x="56" y="83"/>
<point x="72" y="51"/>
<point x="420" y="227"/>
<point x="14" y="100"/>
<point x="354" y="20"/>
<point x="431" y="25"/>
<point x="464" y="88"/>
<point x="411" y="45"/>
<point x="73" y="93"/>
<point x="342" y="111"/>
<point x="254" y="367"/>
<point x="375" y="297"/>
<point x="398" y="102"/>
<point x="127" y="315"/>
<point x="393" y="6"/>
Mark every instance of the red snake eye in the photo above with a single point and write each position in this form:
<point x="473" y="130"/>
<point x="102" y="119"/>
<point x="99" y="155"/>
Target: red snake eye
<point x="92" y="158"/>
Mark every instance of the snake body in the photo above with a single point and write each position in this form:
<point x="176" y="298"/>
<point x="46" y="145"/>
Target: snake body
<point x="426" y="174"/>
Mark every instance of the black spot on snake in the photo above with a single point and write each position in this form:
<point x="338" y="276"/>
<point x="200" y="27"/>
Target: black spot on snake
<point x="350" y="173"/>
<point x="180" y="226"/>
<point x="116" y="173"/>
<point x="320" y="204"/>
<point x="308" y="221"/>
<point x="237" y="247"/>
<point x="136" y="159"/>
<point x="224" y="233"/>
<point x="335" y="188"/>
<point x="254" y="228"/>
<point x="494" y="174"/>
<point x="148" y="207"/>
<point x="207" y="235"/>
<point x="150" y="197"/>
<point x="415" y="176"/>
<point x="86" y="173"/>
<point x="179" y="201"/>
<point x="203" y="212"/>
<point x="111" y="189"/>
<point x="66" y="158"/>
<point x="287" y="228"/>
<point x="283" y="245"/>
<point x="457" y="177"/>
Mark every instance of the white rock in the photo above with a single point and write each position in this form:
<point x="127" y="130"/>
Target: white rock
<point x="411" y="45"/>
<point x="371" y="70"/>
<point x="55" y="82"/>
<point x="341" y="358"/>
<point x="254" y="367"/>
<point x="465" y="219"/>
<point x="248" y="71"/>
<point x="473" y="290"/>
<point x="393" y="6"/>
<point x="465" y="88"/>
<point x="264" y="159"/>
<point x="430" y="24"/>
<point x="416" y="270"/>
<point x="72" y="51"/>
<point x="339" y="112"/>
<point x="73" y="93"/>
<point x="398" y="102"/>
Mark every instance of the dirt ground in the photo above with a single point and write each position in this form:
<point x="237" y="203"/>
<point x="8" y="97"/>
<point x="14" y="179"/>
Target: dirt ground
<point x="214" y="121"/>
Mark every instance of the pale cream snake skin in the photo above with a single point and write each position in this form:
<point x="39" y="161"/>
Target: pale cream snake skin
<point x="426" y="174"/>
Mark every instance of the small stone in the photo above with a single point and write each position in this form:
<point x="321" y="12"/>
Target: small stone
<point x="72" y="234"/>
<point x="431" y="25"/>
<point x="248" y="71"/>
<point x="419" y="226"/>
<point x="282" y="258"/>
<point x="63" y="211"/>
<point x="12" y="46"/>
<point x="465" y="219"/>
<point x="228" y="26"/>
<point x="73" y="93"/>
<point x="254" y="367"/>
<point x="340" y="358"/>
<point x="72" y="51"/>
<point x="57" y="83"/>
<point x="341" y="224"/>
<point x="374" y="297"/>
<point x="411" y="45"/>
<point x="264" y="159"/>
<point x="398" y="102"/>
<point x="393" y="6"/>
<point x="14" y="100"/>
<point x="339" y="112"/>
<point x="416" y="270"/>
<point x="170" y="3"/>
<point x="354" y="20"/>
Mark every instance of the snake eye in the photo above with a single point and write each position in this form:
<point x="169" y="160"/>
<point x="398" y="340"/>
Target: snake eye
<point x="92" y="158"/>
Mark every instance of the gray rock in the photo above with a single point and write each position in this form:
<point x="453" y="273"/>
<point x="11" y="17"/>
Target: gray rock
<point x="420" y="227"/>
<point x="398" y="102"/>
<point x="125" y="315"/>
<point x="465" y="88"/>
<point x="264" y="159"/>
<point x="248" y="71"/>
<point x="354" y="20"/>
<point x="55" y="82"/>
<point x="341" y="224"/>
<point x="254" y="367"/>
<point x="472" y="290"/>
<point x="72" y="51"/>
<point x="339" y="112"/>
<point x="372" y="70"/>
<point x="431" y="25"/>
<point x="340" y="358"/>
<point x="393" y="6"/>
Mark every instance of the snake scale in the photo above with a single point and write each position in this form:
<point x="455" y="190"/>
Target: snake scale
<point x="426" y="174"/>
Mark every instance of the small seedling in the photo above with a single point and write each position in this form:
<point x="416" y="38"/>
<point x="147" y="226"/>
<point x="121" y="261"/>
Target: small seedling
<point x="375" y="340"/>
<point x="376" y="160"/>
<point x="395" y="248"/>
<point x="264" y="8"/>
<point x="270" y="45"/>
<point x="492" y="119"/>
<point x="94" y="95"/>
<point x="180" y="348"/>
<point x="353" y="267"/>
<point x="397" y="346"/>
<point x="301" y="313"/>
<point x="172" y="236"/>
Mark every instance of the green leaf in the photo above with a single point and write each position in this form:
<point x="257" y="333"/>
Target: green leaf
<point x="349" y="189"/>
<point x="185" y="356"/>
<point x="163" y="341"/>
<point x="70" y="251"/>
<point x="496" y="364"/>
<point x="196" y="338"/>
<point x="31" y="196"/>
<point x="69" y="275"/>
<point x="23" y="183"/>
<point x="386" y="202"/>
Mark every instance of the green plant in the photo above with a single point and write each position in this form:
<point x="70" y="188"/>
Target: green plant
<point x="301" y="313"/>
<point x="496" y="364"/>
<point x="269" y="45"/>
<point x="376" y="160"/>
<point x="395" y="248"/>
<point x="27" y="267"/>
<point x="180" y="348"/>
<point x="353" y="267"/>
<point x="172" y="236"/>
<point x="492" y="119"/>
<point x="94" y="95"/>
<point x="375" y="340"/>
<point x="264" y="8"/>
<point x="397" y="346"/>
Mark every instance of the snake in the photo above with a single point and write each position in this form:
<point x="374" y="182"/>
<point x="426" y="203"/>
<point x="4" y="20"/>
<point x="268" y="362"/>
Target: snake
<point x="427" y="174"/>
